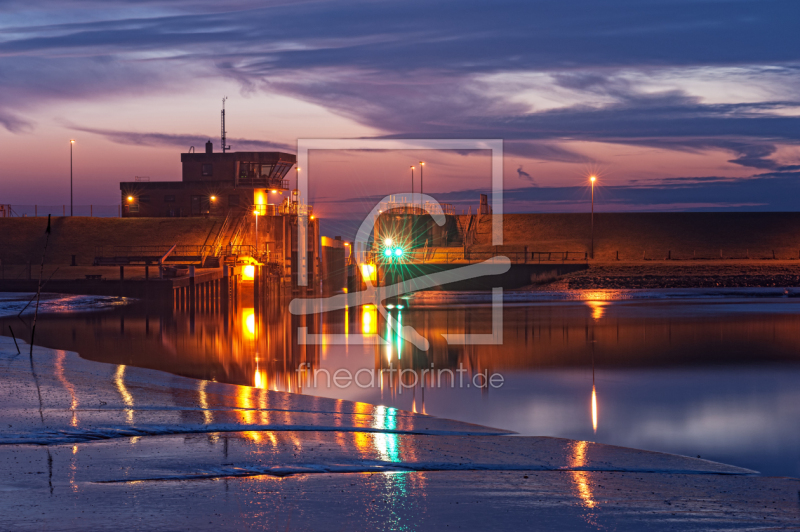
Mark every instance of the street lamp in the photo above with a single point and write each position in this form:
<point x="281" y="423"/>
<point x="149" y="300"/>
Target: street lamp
<point x="412" y="184"/>
<point x="421" y="191"/>
<point x="592" y="179"/>
<point x="297" y="182"/>
<point x="71" y="142"/>
<point x="256" y="213"/>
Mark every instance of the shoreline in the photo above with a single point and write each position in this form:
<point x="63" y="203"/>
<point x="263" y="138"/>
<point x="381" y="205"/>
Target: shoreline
<point x="102" y="433"/>
<point x="680" y="274"/>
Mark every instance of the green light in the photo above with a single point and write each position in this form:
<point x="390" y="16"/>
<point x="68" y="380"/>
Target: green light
<point x="398" y="251"/>
<point x="388" y="252"/>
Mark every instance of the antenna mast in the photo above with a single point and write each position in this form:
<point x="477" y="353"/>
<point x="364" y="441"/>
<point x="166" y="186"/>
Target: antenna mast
<point x="224" y="147"/>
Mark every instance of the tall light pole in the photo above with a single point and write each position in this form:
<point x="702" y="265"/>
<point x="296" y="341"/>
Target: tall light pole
<point x="71" y="143"/>
<point x="592" y="179"/>
<point x="421" y="191"/>
<point x="412" y="184"/>
<point x="297" y="182"/>
<point x="256" y="213"/>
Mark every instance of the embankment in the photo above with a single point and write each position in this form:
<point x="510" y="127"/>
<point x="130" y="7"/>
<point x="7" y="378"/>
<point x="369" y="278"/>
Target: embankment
<point x="22" y="239"/>
<point x="652" y="236"/>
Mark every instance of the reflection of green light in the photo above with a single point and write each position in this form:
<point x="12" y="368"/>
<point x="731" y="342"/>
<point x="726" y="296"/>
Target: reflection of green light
<point x="388" y="340"/>
<point x="400" y="307"/>
<point x="388" y="252"/>
<point x="398" y="252"/>
<point x="387" y="445"/>
<point x="399" y="337"/>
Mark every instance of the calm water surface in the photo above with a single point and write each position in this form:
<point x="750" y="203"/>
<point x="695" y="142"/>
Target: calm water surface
<point x="719" y="378"/>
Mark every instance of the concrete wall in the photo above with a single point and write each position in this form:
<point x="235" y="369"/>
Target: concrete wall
<point x="683" y="235"/>
<point x="22" y="239"/>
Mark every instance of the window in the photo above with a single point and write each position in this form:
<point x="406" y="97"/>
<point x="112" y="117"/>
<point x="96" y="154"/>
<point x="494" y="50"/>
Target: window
<point x="208" y="169"/>
<point x="247" y="171"/>
<point x="134" y="208"/>
<point x="144" y="198"/>
<point x="169" y="198"/>
<point x="266" y="170"/>
<point x="233" y="200"/>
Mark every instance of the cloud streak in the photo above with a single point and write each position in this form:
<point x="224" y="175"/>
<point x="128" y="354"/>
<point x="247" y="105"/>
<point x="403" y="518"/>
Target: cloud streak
<point x="621" y="71"/>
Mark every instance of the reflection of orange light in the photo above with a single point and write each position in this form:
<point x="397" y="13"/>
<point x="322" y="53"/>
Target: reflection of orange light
<point x="594" y="409"/>
<point x="368" y="272"/>
<point x="249" y="322"/>
<point x="581" y="478"/>
<point x="260" y="380"/>
<point x="598" y="308"/>
<point x="248" y="272"/>
<point x="369" y="321"/>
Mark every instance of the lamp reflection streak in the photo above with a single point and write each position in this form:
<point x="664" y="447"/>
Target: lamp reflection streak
<point x="581" y="478"/>
<point x="202" y="399"/>
<point x="60" y="356"/>
<point x="127" y="398"/>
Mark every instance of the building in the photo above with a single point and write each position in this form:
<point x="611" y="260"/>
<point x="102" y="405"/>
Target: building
<point x="213" y="184"/>
<point x="259" y="213"/>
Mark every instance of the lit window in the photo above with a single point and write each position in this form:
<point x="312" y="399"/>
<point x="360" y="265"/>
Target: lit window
<point x="208" y="169"/>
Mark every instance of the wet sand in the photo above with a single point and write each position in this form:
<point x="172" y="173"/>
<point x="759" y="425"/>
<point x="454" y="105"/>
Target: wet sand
<point x="86" y="445"/>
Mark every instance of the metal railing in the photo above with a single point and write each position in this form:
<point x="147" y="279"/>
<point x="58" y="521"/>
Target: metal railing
<point x="298" y="209"/>
<point x="152" y="251"/>
<point x="262" y="182"/>
<point x="26" y="211"/>
<point x="240" y="250"/>
<point x="457" y="255"/>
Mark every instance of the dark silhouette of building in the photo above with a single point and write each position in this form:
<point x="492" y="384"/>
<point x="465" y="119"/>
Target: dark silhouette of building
<point x="212" y="184"/>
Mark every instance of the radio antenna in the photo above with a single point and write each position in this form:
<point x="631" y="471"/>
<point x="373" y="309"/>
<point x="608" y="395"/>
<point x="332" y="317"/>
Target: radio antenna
<point x="224" y="147"/>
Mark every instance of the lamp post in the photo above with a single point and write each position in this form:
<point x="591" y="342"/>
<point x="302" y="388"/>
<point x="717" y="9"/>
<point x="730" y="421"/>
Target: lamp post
<point x="412" y="184"/>
<point x="71" y="142"/>
<point x="421" y="191"/>
<point x="297" y="183"/>
<point x="256" y="213"/>
<point x="592" y="179"/>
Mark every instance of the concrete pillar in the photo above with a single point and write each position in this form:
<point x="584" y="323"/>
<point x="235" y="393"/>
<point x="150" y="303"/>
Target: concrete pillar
<point x="192" y="294"/>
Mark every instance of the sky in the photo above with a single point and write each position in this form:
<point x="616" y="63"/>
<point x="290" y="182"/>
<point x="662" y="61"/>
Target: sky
<point x="674" y="104"/>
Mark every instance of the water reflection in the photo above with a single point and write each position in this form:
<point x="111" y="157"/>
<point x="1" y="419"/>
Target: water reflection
<point x="674" y="376"/>
<point x="59" y="371"/>
<point x="127" y="398"/>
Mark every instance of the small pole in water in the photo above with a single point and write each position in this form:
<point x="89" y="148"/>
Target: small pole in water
<point x="15" y="339"/>
<point x="39" y="288"/>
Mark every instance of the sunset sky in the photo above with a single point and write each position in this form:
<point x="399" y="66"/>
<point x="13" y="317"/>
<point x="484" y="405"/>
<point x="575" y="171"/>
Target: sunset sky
<point x="676" y="105"/>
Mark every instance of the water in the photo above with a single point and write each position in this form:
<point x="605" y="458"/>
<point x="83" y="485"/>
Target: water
<point x="714" y="377"/>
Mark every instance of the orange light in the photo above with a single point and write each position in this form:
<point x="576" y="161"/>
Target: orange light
<point x="213" y="198"/>
<point x="421" y="163"/>
<point x="312" y="216"/>
<point x="72" y="141"/>
<point x="130" y="198"/>
<point x="248" y="272"/>
<point x="298" y="168"/>
<point x="592" y="179"/>
<point x="274" y="191"/>
<point x="255" y="212"/>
